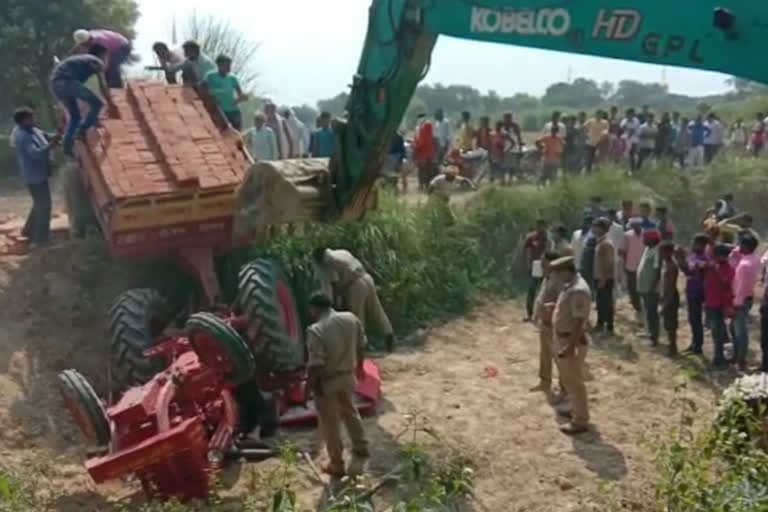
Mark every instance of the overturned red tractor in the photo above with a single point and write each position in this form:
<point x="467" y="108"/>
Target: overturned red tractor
<point x="222" y="379"/>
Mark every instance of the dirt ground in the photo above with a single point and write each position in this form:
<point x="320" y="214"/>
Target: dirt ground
<point x="470" y="380"/>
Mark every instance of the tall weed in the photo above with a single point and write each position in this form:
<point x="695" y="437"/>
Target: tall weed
<point x="429" y="266"/>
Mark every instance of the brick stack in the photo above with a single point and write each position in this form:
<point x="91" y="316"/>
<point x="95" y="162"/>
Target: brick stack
<point x="164" y="141"/>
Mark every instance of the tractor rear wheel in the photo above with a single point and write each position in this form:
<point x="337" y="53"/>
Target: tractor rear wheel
<point x="79" y="208"/>
<point x="266" y="298"/>
<point x="219" y="346"/>
<point x="84" y="405"/>
<point x="136" y="319"/>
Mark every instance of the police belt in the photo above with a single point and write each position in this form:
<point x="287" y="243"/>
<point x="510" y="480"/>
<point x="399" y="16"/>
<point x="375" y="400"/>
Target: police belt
<point x="335" y="374"/>
<point x="583" y="340"/>
<point x="342" y="288"/>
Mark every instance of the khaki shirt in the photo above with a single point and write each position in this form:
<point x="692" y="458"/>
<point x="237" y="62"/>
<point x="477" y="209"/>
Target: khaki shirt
<point x="548" y="292"/>
<point x="605" y="260"/>
<point x="571" y="310"/>
<point x="343" y="268"/>
<point x="333" y="344"/>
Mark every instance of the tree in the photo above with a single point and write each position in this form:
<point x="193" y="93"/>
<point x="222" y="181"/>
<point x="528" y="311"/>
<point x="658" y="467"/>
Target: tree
<point x="581" y="93"/>
<point x="744" y="86"/>
<point x="216" y="36"/>
<point x="335" y="105"/>
<point x="520" y="102"/>
<point x="307" y="115"/>
<point x="606" y="89"/>
<point x="34" y="31"/>
<point x="635" y="94"/>
<point x="491" y="102"/>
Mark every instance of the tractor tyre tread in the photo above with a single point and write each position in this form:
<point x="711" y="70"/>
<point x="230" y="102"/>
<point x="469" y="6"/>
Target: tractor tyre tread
<point x="228" y="340"/>
<point x="130" y="334"/>
<point x="77" y="388"/>
<point x="257" y="299"/>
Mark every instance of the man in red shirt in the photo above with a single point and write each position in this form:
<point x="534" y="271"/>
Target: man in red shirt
<point x="425" y="152"/>
<point x="485" y="134"/>
<point x="665" y="226"/>
<point x="535" y="246"/>
<point x="718" y="299"/>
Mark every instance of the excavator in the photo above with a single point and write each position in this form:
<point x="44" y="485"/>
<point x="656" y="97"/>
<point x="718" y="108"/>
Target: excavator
<point x="727" y="36"/>
<point x="180" y="178"/>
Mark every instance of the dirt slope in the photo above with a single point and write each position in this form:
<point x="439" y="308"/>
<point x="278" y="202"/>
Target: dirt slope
<point x="52" y="306"/>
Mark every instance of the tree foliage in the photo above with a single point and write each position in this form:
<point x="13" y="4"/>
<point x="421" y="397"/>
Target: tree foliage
<point x="306" y="114"/>
<point x="217" y="36"/>
<point x="581" y="93"/>
<point x="335" y="105"/>
<point x="34" y="31"/>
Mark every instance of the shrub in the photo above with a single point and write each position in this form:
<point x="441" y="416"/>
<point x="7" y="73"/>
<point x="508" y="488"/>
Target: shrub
<point x="723" y="468"/>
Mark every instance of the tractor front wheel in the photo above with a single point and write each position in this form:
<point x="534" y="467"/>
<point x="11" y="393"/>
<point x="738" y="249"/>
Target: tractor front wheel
<point x="220" y="347"/>
<point x="136" y="319"/>
<point x="84" y="405"/>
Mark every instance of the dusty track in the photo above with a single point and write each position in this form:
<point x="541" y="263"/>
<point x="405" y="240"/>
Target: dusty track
<point x="52" y="306"/>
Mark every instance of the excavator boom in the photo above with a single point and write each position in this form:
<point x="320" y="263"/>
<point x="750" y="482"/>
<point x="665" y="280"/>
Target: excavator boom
<point x="727" y="36"/>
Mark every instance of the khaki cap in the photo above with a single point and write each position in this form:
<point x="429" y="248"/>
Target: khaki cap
<point x="564" y="263"/>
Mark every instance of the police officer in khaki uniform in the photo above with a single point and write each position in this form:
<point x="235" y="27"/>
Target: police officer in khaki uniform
<point x="542" y="315"/>
<point x="570" y="322"/>
<point x="335" y="345"/>
<point x="355" y="287"/>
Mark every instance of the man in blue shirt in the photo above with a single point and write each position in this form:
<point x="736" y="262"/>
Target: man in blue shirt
<point x="33" y="154"/>
<point x="699" y="131"/>
<point x="68" y="85"/>
<point x="323" y="139"/>
<point x="644" y="214"/>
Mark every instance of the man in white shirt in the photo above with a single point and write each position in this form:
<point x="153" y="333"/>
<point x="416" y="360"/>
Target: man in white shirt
<point x="555" y="119"/>
<point x="444" y="185"/>
<point x="261" y="140"/>
<point x="443" y="134"/>
<point x="631" y="251"/>
<point x="616" y="236"/>
<point x="580" y="236"/>
<point x="630" y="125"/>
<point x="714" y="141"/>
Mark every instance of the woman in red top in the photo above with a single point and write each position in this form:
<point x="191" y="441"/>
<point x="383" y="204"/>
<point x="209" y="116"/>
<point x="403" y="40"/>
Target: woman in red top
<point x="425" y="152"/>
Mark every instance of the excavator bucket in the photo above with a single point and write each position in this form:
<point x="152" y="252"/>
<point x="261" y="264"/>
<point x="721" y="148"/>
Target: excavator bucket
<point x="282" y="192"/>
<point x="279" y="192"/>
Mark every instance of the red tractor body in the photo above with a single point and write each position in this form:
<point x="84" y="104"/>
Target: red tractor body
<point x="174" y="432"/>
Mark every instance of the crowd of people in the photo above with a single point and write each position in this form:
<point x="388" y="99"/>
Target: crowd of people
<point x="576" y="143"/>
<point x="635" y="250"/>
<point x="276" y="134"/>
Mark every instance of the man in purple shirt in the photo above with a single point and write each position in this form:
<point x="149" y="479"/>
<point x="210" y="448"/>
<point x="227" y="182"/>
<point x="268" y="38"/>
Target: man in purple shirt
<point x="118" y="51"/>
<point x="695" y="267"/>
<point x="747" y="272"/>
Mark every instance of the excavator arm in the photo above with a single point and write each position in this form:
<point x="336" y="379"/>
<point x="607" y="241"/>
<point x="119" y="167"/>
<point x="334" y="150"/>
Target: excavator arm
<point x="727" y="36"/>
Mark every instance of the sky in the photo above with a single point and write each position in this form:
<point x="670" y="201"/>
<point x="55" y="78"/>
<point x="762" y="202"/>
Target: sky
<point x="309" y="50"/>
